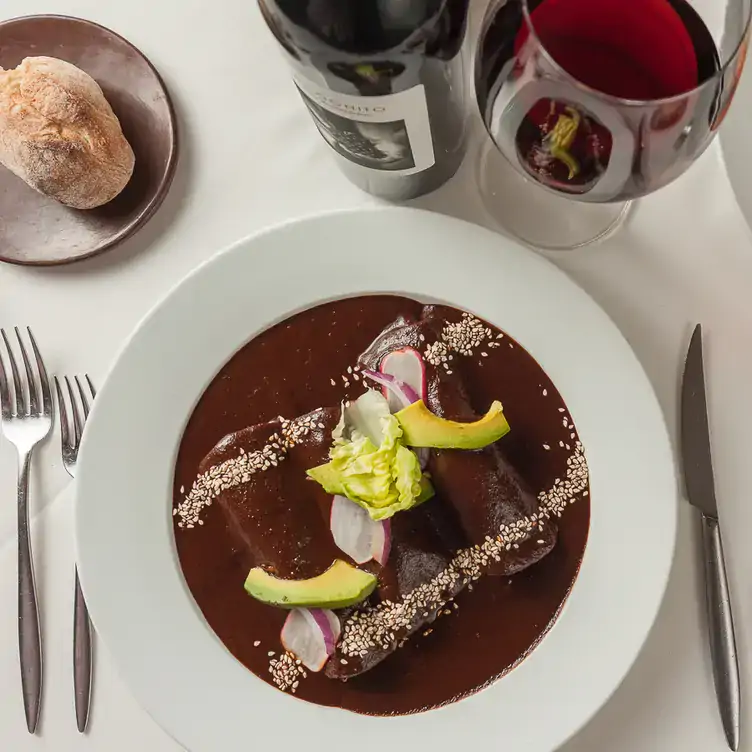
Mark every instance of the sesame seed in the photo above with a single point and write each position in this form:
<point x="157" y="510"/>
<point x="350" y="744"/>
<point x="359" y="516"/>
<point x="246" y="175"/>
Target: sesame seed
<point x="547" y="447"/>
<point x="545" y="392"/>
<point x="238" y="470"/>
<point x="286" y="672"/>
<point x="388" y="624"/>
<point x="256" y="643"/>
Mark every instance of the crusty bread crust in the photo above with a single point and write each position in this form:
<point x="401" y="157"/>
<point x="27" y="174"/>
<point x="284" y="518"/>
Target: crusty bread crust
<point x="59" y="134"/>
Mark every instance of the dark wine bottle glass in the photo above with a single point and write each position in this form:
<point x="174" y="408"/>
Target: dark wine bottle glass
<point x="598" y="102"/>
<point x="383" y="82"/>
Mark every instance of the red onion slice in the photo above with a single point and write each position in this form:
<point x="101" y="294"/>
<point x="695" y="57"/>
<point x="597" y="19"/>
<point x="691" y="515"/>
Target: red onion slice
<point x="398" y="394"/>
<point x="311" y="635"/>
<point x="406" y="365"/>
<point x="355" y="533"/>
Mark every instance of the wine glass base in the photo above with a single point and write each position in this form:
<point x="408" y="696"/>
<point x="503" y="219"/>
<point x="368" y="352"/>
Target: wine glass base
<point x="542" y="220"/>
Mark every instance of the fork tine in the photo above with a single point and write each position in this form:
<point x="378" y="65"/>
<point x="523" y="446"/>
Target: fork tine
<point x="31" y="381"/>
<point x="84" y="400"/>
<point x="91" y="386"/>
<point x="20" y="408"/>
<point x="64" y="424"/>
<point x="43" y="378"/>
<point x="78" y="427"/>
<point x="5" y="410"/>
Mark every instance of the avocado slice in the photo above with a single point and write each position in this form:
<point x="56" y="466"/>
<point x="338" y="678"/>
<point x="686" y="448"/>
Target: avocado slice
<point x="340" y="586"/>
<point x="422" y="428"/>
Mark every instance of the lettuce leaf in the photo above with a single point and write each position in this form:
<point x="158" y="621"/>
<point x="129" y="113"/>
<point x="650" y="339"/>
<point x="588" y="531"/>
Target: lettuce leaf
<point x="369" y="464"/>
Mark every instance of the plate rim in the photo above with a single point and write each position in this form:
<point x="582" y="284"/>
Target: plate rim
<point x="167" y="177"/>
<point x="512" y="248"/>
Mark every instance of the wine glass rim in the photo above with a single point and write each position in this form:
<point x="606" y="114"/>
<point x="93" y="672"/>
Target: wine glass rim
<point x="621" y="101"/>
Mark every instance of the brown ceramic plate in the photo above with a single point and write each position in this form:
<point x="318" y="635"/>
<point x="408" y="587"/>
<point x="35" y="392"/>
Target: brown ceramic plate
<point x="35" y="229"/>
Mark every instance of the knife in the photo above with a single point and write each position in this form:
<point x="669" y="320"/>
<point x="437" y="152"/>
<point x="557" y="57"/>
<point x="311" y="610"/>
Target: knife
<point x="700" y="487"/>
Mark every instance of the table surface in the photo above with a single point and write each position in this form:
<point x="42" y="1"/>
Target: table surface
<point x="251" y="159"/>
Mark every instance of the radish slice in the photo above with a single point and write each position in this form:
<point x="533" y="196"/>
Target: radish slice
<point x="382" y="542"/>
<point x="352" y="529"/>
<point x="334" y="625"/>
<point x="327" y="621"/>
<point x="398" y="394"/>
<point x="355" y="533"/>
<point x="407" y="366"/>
<point x="311" y="635"/>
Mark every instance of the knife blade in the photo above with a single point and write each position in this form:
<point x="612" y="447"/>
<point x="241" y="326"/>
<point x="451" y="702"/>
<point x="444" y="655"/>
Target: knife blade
<point x="695" y="434"/>
<point x="700" y="488"/>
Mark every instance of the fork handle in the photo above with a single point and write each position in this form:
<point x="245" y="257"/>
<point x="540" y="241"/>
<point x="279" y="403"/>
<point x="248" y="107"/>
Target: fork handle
<point x="81" y="658"/>
<point x="29" y="639"/>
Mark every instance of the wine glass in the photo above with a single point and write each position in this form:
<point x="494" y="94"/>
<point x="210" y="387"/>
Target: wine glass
<point x="598" y="102"/>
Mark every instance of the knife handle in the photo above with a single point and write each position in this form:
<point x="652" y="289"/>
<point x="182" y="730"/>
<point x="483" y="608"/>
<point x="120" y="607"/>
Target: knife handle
<point x="721" y="626"/>
<point x="81" y="658"/>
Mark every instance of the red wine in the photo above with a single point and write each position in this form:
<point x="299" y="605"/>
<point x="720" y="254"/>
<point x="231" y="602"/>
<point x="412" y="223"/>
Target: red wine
<point x="641" y="49"/>
<point x="382" y="80"/>
<point x="637" y="50"/>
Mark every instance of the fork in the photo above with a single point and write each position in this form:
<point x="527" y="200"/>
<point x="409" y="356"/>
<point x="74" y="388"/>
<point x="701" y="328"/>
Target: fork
<point x="25" y="425"/>
<point x="70" y="437"/>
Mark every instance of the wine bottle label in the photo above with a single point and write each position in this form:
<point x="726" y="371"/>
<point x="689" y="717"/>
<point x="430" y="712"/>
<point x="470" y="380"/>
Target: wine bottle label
<point x="389" y="133"/>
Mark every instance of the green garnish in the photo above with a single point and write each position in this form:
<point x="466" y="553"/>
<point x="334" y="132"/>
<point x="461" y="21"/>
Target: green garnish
<point x="370" y="464"/>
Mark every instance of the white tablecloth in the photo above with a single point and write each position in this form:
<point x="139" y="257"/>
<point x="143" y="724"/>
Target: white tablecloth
<point x="250" y="159"/>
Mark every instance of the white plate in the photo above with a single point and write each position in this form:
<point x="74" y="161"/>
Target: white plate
<point x="140" y="604"/>
<point x="736" y="143"/>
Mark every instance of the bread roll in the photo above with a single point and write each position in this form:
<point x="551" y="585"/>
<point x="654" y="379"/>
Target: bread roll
<point x="60" y="135"/>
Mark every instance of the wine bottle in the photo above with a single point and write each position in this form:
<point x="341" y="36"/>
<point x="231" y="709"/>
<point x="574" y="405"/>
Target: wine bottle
<point x="383" y="82"/>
